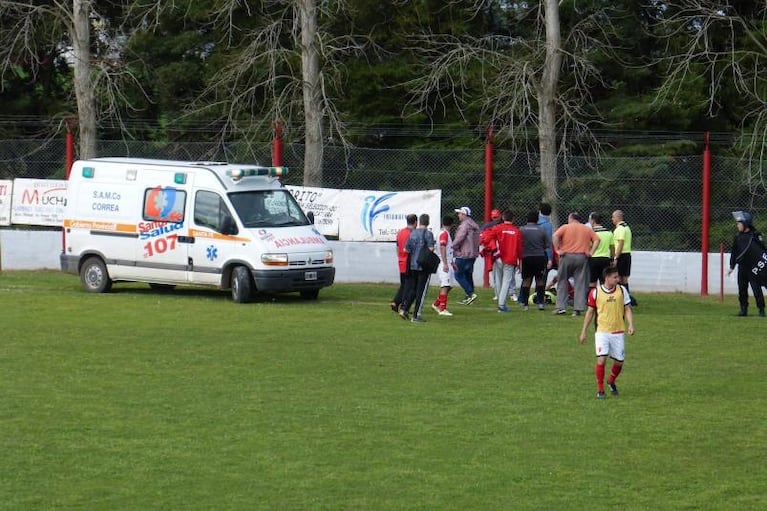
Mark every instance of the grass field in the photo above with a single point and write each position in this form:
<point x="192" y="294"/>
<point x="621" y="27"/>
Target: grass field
<point x="140" y="400"/>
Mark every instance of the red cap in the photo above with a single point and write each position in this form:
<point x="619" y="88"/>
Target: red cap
<point x="495" y="214"/>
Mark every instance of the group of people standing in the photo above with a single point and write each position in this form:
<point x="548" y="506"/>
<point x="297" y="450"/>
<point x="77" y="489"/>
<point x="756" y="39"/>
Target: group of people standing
<point x="592" y="261"/>
<point x="578" y="251"/>
<point x="456" y="254"/>
<point x="525" y="250"/>
<point x="584" y="251"/>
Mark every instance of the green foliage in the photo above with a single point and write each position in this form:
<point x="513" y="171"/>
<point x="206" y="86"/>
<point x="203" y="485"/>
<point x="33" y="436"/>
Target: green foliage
<point x="140" y="400"/>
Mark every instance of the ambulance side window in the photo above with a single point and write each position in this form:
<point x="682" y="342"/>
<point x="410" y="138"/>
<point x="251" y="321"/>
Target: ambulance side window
<point x="210" y="211"/>
<point x="164" y="204"/>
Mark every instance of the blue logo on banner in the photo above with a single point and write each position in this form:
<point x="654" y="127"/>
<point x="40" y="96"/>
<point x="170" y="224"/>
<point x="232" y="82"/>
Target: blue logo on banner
<point x="372" y="208"/>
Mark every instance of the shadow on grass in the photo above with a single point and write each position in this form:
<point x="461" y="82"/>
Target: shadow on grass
<point x="207" y="293"/>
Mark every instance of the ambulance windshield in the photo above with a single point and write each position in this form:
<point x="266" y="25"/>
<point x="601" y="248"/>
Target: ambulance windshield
<point x="268" y="208"/>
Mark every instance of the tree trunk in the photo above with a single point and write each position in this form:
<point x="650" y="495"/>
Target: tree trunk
<point x="547" y="109"/>
<point x="310" y="62"/>
<point x="86" y="100"/>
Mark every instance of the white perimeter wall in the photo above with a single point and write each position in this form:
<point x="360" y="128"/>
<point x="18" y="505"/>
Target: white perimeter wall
<point x="377" y="262"/>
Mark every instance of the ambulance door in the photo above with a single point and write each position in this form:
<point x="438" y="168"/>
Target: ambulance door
<point x="162" y="253"/>
<point x="215" y="235"/>
<point x="103" y="216"/>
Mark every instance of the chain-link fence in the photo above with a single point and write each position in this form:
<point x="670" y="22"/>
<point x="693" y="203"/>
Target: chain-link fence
<point x="660" y="196"/>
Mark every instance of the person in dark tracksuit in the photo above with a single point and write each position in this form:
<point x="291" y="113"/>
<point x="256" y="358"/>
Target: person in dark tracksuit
<point x="746" y="236"/>
<point x="421" y="238"/>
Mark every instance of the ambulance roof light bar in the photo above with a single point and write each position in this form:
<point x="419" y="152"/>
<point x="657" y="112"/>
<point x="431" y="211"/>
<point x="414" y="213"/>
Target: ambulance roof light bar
<point x="237" y="174"/>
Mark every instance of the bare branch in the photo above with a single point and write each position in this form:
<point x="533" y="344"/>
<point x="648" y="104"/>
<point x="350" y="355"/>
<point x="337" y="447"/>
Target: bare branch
<point x="262" y="84"/>
<point x="508" y="72"/>
<point x="20" y="39"/>
<point x="726" y="48"/>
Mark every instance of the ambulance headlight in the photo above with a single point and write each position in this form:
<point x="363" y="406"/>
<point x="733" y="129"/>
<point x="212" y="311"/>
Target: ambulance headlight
<point x="275" y="259"/>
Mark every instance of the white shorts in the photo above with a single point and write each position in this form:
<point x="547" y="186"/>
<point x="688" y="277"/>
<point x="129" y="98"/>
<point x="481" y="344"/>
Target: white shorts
<point x="445" y="278"/>
<point x="610" y="345"/>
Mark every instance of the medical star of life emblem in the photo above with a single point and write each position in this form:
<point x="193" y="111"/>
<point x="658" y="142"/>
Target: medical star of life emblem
<point x="212" y="253"/>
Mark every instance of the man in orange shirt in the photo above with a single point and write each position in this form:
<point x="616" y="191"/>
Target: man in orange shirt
<point x="575" y="243"/>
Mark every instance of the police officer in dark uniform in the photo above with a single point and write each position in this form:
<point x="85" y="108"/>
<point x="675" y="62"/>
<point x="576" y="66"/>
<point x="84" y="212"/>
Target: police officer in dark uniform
<point x="746" y="237"/>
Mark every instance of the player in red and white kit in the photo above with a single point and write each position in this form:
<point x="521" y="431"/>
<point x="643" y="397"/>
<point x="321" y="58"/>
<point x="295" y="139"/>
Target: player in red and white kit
<point x="445" y="271"/>
<point x="612" y="305"/>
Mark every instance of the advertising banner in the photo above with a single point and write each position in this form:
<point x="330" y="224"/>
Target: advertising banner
<point x="6" y="189"/>
<point x="379" y="216"/>
<point x="323" y="202"/>
<point x="366" y="215"/>
<point x="39" y="201"/>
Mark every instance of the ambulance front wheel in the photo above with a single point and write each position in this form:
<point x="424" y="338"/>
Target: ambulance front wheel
<point x="242" y="285"/>
<point x="94" y="276"/>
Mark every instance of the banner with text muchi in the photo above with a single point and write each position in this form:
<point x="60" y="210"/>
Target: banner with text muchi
<point x="38" y="201"/>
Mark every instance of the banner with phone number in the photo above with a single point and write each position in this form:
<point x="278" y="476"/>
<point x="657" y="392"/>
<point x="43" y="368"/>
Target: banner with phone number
<point x="366" y="215"/>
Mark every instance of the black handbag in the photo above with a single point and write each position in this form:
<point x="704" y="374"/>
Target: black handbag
<point x="428" y="260"/>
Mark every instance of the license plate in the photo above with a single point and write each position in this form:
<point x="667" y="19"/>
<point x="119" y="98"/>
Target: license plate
<point x="310" y="275"/>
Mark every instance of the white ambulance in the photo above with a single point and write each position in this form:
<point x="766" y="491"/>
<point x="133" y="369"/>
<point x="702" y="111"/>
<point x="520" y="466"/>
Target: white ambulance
<point x="169" y="223"/>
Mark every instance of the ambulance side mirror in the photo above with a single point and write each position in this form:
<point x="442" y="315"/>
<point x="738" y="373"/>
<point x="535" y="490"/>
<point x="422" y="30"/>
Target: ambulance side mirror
<point x="310" y="216"/>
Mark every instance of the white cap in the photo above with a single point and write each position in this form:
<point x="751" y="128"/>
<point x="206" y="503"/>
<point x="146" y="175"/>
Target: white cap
<point x="466" y="210"/>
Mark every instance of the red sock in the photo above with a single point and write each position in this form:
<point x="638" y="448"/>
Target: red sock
<point x="599" y="370"/>
<point x="614" y="372"/>
<point x="443" y="302"/>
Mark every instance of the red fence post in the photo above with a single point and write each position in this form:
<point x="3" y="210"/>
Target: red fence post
<point x="277" y="145"/>
<point x="70" y="123"/>
<point x="705" y="216"/>
<point x="488" y="197"/>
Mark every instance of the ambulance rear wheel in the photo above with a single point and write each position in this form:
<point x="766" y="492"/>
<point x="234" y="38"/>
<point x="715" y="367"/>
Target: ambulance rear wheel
<point x="242" y="285"/>
<point x="94" y="276"/>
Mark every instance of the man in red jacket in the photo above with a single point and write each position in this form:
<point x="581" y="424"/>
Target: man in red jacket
<point x="402" y="237"/>
<point x="489" y="252"/>
<point x="508" y="238"/>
